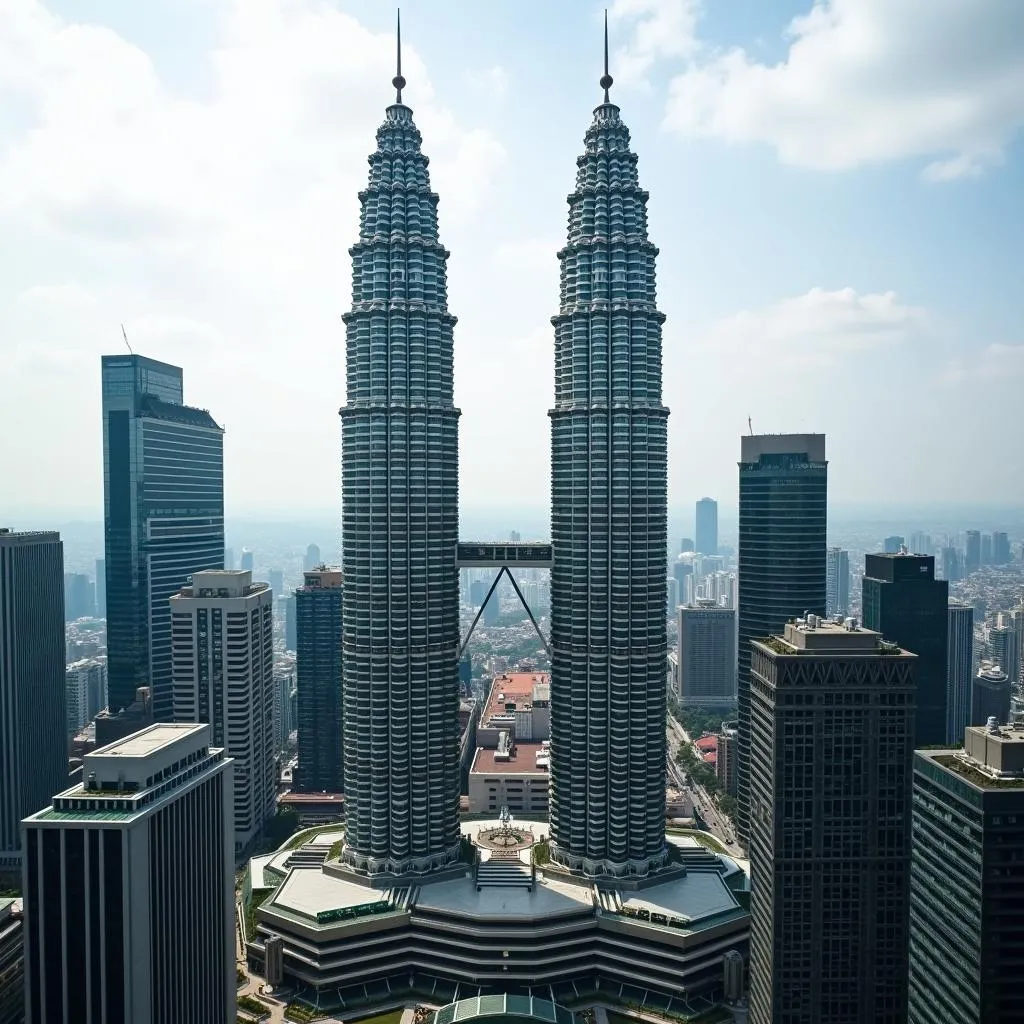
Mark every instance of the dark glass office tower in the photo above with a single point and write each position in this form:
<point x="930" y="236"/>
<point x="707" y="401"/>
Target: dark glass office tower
<point x="400" y="519"/>
<point x="608" y="523"/>
<point x="33" y="715"/>
<point x="318" y="608"/>
<point x="903" y="599"/>
<point x="783" y="484"/>
<point x="966" y="891"/>
<point x="832" y="710"/>
<point x="163" y="503"/>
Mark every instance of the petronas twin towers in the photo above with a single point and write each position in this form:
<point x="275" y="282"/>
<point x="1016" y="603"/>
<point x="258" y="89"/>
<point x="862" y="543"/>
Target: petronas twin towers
<point x="400" y="524"/>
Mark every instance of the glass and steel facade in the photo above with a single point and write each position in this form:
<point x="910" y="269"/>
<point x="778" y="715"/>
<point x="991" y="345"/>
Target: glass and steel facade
<point x="163" y="483"/>
<point x="33" y="716"/>
<point x="783" y="485"/>
<point x="966" y="896"/>
<point x="399" y="431"/>
<point x="608" y="524"/>
<point x="319" y="611"/>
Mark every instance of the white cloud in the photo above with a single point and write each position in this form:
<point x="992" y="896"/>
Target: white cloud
<point x="656" y="29"/>
<point x="995" y="362"/>
<point x="491" y="82"/>
<point x="212" y="217"/>
<point x="531" y="255"/>
<point x="866" y="81"/>
<point x="819" y="328"/>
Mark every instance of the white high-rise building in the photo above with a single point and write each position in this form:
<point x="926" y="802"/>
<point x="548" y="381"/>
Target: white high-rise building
<point x="222" y="668"/>
<point x="128" y="880"/>
<point x="837" y="582"/>
<point x="86" y="689"/>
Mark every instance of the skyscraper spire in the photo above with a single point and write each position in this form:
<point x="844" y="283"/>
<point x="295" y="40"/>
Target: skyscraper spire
<point x="608" y="524"/>
<point x="400" y="524"/>
<point x="399" y="82"/>
<point x="606" y="79"/>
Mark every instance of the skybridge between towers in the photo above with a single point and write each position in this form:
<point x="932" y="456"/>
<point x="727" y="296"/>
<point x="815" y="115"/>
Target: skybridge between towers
<point x="503" y="556"/>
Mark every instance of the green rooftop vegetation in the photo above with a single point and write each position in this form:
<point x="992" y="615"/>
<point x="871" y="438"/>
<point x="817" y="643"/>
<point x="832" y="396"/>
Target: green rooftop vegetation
<point x="972" y="775"/>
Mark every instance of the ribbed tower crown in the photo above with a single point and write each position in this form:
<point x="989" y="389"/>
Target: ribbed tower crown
<point x="608" y="585"/>
<point x="400" y="524"/>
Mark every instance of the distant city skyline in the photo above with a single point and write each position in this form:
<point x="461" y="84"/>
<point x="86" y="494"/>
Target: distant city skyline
<point x="799" y="245"/>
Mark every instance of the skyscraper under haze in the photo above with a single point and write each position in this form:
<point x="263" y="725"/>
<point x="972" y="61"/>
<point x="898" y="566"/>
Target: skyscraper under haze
<point x="904" y="601"/>
<point x="972" y="551"/>
<point x="837" y="582"/>
<point x="783" y="484"/>
<point x="318" y="608"/>
<point x="608" y="523"/>
<point x="33" y="717"/>
<point x="163" y="503"/>
<point x="707" y="526"/>
<point x="959" y="669"/>
<point x="400" y="515"/>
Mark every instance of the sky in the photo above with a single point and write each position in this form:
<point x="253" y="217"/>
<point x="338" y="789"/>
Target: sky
<point x="836" y="189"/>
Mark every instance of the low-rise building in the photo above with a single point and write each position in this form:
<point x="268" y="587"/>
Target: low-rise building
<point x="12" y="962"/>
<point x="513" y="775"/>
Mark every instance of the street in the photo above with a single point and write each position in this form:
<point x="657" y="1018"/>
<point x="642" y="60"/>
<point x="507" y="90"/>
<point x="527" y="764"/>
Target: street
<point x="718" y="825"/>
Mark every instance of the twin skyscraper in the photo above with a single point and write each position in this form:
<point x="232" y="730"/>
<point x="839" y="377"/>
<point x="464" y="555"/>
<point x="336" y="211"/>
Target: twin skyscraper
<point x="400" y="523"/>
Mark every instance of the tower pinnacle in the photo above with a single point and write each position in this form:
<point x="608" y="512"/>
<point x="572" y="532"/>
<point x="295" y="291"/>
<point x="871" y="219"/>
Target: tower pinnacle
<point x="606" y="79"/>
<point x="399" y="82"/>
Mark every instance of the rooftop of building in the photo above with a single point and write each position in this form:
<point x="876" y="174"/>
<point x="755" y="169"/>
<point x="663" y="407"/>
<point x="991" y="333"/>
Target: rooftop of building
<point x="12" y="536"/>
<point x="221" y="583"/>
<point x="816" y="635"/>
<point x="992" y="756"/>
<point x="753" y="446"/>
<point x="518" y="688"/>
<point x="524" y="758"/>
<point x="323" y="577"/>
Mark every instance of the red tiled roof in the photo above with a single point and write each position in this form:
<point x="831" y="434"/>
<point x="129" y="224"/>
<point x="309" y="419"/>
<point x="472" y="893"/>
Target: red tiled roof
<point x="516" y="687"/>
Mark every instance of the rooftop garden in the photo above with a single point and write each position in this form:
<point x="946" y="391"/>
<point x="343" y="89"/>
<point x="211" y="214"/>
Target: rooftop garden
<point x="973" y="775"/>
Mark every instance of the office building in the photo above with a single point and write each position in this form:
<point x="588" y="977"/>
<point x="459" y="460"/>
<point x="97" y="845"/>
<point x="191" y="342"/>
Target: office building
<point x="725" y="764"/>
<point x="223" y="672"/>
<point x="972" y="551"/>
<point x="312" y="559"/>
<point x="163" y="503"/>
<point x="707" y="526"/>
<point x="12" y="961"/>
<point x="129" y="887"/>
<point x="904" y="601"/>
<point x="837" y="582"/>
<point x="113" y="726"/>
<point x="1000" y="548"/>
<point x="85" y="684"/>
<point x="275" y="578"/>
<point x="291" y="627"/>
<point x="707" y="654"/>
<point x="33" y="710"/>
<point x="319" y="610"/>
<point x="952" y="564"/>
<point x="400" y="522"/>
<point x="782" y="574"/>
<point x="990" y="695"/>
<point x="284" y="711"/>
<point x="832" y="723"/>
<point x="229" y="558"/>
<point x="101" y="588"/>
<point x="966" y="896"/>
<point x="79" y="599"/>
<point x="687" y="544"/>
<point x="609" y="526"/>
<point x="921" y="544"/>
<point x="246" y="564"/>
<point x="959" y="669"/>
<point x="986" y="549"/>
<point x="1015" y="620"/>
<point x="893" y="545"/>
<point x="1004" y="651"/>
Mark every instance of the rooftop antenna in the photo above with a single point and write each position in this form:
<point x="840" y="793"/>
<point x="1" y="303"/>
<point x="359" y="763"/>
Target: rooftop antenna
<point x="750" y="426"/>
<point x="125" y="335"/>
<point x="606" y="79"/>
<point x="398" y="81"/>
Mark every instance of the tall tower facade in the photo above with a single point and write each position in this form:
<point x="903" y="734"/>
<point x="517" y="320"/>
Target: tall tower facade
<point x="903" y="599"/>
<point x="783" y="510"/>
<point x="400" y="516"/>
<point x="129" y="887"/>
<point x="318" y="680"/>
<point x="837" y="582"/>
<point x="163" y="506"/>
<point x="33" y="717"/>
<point x="832" y="725"/>
<point x="223" y="672"/>
<point x="959" y="669"/>
<point x="608" y="523"/>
